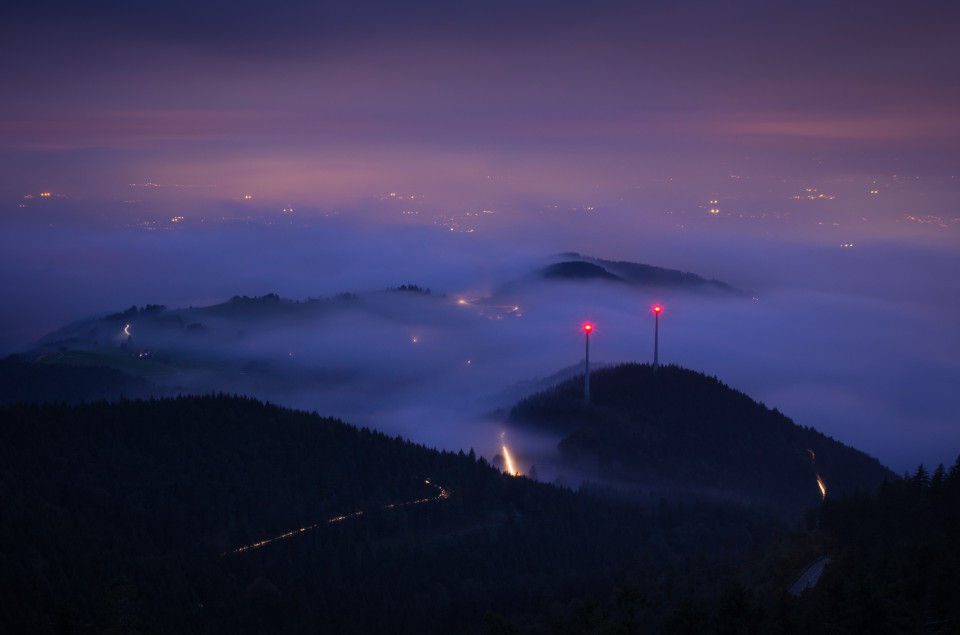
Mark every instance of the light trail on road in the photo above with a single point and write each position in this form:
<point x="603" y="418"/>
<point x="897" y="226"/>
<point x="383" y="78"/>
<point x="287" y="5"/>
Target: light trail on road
<point x="442" y="493"/>
<point x="506" y="457"/>
<point x="820" y="483"/>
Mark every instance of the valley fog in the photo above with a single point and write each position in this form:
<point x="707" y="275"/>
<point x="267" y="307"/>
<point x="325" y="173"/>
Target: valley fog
<point x="859" y="343"/>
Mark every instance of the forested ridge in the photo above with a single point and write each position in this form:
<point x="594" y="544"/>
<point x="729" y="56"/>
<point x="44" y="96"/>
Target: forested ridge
<point x="894" y="569"/>
<point x="126" y="517"/>
<point x="674" y="430"/>
<point x="120" y="516"/>
<point x="37" y="383"/>
<point x="896" y="557"/>
<point x="633" y="273"/>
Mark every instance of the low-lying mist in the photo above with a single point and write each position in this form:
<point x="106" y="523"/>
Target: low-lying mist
<point x="858" y="343"/>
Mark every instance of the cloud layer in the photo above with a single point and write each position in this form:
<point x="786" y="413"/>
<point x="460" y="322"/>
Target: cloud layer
<point x="859" y="344"/>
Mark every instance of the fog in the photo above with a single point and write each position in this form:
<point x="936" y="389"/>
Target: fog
<point x="859" y="343"/>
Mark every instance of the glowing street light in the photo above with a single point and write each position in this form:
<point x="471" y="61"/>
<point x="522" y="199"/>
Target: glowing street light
<point x="587" y="328"/>
<point x="656" y="334"/>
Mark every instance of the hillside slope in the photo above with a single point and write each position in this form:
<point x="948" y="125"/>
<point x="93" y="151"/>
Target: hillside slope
<point x="677" y="432"/>
<point x="636" y="273"/>
<point x="135" y="516"/>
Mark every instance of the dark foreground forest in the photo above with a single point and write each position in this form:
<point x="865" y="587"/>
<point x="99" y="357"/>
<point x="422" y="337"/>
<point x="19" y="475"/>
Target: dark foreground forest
<point x="133" y="517"/>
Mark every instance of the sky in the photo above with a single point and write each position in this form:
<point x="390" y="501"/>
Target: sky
<point x="504" y="102"/>
<point x="808" y="151"/>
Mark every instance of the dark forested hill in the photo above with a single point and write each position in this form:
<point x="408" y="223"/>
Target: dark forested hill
<point x="892" y="567"/>
<point x="578" y="269"/>
<point x="139" y="516"/>
<point x="896" y="560"/>
<point x="23" y="382"/>
<point x="674" y="432"/>
<point x="634" y="273"/>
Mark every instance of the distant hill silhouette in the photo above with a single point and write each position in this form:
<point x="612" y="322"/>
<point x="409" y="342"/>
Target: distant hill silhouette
<point x="634" y="273"/>
<point x="222" y="323"/>
<point x="578" y="269"/>
<point x="676" y="433"/>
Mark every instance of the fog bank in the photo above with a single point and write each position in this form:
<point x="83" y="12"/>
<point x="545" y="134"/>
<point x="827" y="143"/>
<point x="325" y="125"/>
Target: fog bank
<point x="859" y="343"/>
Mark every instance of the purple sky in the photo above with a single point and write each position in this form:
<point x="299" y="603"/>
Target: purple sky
<point x="473" y="103"/>
<point x="746" y="141"/>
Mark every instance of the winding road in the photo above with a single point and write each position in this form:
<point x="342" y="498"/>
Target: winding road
<point x="810" y="576"/>
<point x="441" y="494"/>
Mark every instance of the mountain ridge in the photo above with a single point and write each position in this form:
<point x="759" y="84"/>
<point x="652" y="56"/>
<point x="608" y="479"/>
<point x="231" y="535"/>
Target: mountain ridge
<point x="674" y="430"/>
<point x="634" y="273"/>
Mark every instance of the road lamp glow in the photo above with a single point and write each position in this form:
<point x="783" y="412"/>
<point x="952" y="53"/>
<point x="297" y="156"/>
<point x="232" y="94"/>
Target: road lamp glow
<point x="587" y="329"/>
<point x="656" y="335"/>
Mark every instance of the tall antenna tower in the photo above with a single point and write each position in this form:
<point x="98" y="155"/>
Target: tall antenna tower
<point x="656" y="335"/>
<point x="587" y="328"/>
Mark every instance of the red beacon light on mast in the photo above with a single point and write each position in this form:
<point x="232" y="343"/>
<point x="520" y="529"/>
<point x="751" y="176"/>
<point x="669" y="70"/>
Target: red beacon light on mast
<point x="587" y="327"/>
<point x="657" y="308"/>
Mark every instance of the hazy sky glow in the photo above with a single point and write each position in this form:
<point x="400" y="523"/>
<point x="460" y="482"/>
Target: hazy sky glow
<point x="807" y="151"/>
<point x="327" y="104"/>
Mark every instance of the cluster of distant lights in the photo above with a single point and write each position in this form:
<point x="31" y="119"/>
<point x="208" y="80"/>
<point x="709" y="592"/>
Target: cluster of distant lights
<point x="929" y="219"/>
<point x="450" y="223"/>
<point x="44" y="195"/>
<point x="811" y="194"/>
<point x="712" y="207"/>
